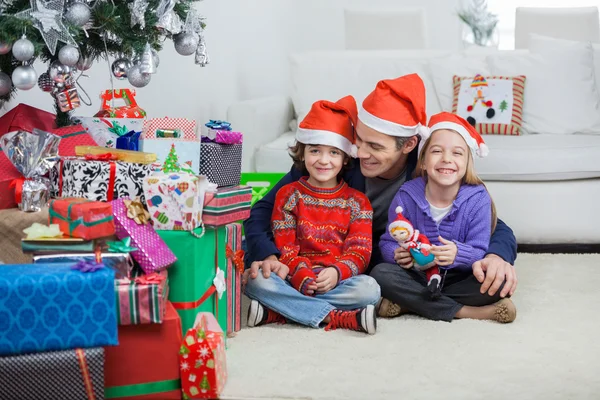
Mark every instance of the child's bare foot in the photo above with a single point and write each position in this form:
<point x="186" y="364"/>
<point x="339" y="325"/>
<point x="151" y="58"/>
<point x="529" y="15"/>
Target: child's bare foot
<point x="505" y="311"/>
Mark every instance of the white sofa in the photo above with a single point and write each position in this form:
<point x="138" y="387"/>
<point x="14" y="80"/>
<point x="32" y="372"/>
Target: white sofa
<point x="545" y="183"/>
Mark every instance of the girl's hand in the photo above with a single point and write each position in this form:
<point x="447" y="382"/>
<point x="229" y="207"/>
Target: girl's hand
<point x="327" y="280"/>
<point x="403" y="258"/>
<point x="445" y="254"/>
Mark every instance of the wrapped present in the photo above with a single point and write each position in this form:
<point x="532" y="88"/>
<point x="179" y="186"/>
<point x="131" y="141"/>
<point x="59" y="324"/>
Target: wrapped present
<point x="142" y="298"/>
<point x="235" y="268"/>
<point x="129" y="141"/>
<point x="71" y="137"/>
<point x="96" y="179"/>
<point x="202" y="359"/>
<point x="175" y="200"/>
<point x="68" y="100"/>
<point x="129" y="109"/>
<point x="121" y="263"/>
<point x="106" y="131"/>
<point x="221" y="163"/>
<point x="116" y="154"/>
<point x="145" y="364"/>
<point x="161" y="134"/>
<point x="82" y="218"/>
<point x="52" y="246"/>
<point x="228" y="137"/>
<point x="132" y="220"/>
<point x="49" y="307"/>
<point x="69" y="374"/>
<point x="197" y="280"/>
<point x="227" y="205"/>
<point x="9" y="177"/>
<point x="25" y="118"/>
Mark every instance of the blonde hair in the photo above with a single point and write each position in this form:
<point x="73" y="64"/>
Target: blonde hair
<point x="470" y="178"/>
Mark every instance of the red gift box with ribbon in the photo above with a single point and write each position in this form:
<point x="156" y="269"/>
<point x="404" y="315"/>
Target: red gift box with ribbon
<point x="82" y="218"/>
<point x="235" y="269"/>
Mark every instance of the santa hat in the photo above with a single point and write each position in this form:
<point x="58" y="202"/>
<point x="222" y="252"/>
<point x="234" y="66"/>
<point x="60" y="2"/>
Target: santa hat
<point x="446" y="120"/>
<point x="396" y="107"/>
<point x="478" y="80"/>
<point x="401" y="222"/>
<point x="330" y="124"/>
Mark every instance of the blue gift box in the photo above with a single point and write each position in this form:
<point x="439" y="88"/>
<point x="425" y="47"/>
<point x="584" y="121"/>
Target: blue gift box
<point x="53" y="307"/>
<point x="129" y="141"/>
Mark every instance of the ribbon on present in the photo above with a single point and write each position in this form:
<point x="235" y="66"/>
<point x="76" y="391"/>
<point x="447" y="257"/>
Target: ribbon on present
<point x="39" y="231"/>
<point x="136" y="211"/>
<point x="218" y="124"/>
<point x="121" y="246"/>
<point x="150" y="279"/>
<point x="236" y="257"/>
<point x="116" y="128"/>
<point x="87" y="266"/>
<point x="17" y="183"/>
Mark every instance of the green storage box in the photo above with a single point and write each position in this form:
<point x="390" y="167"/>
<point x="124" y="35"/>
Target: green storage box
<point x="260" y="182"/>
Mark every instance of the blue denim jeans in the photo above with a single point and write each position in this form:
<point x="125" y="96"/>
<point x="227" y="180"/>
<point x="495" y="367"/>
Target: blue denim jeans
<point x="277" y="295"/>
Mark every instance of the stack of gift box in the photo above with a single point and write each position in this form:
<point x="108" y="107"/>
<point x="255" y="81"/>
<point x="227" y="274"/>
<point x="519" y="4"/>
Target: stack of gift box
<point x="135" y="280"/>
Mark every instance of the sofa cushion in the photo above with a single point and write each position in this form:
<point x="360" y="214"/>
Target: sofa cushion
<point x="540" y="158"/>
<point x="274" y="156"/>
<point x="332" y="75"/>
<point x="494" y="104"/>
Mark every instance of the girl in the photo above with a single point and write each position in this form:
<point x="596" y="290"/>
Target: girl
<point x="451" y="206"/>
<point x="322" y="229"/>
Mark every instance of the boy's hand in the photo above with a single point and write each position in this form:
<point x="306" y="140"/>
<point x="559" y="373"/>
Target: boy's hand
<point x="327" y="280"/>
<point x="445" y="254"/>
<point x="403" y="258"/>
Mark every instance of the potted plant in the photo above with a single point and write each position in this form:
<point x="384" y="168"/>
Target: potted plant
<point x="481" y="25"/>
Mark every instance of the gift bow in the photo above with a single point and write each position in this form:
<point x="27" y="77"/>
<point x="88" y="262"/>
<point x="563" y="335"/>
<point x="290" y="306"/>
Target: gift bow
<point x="237" y="258"/>
<point x="136" y="211"/>
<point x="218" y="124"/>
<point x="102" y="157"/>
<point x="38" y="231"/>
<point x="87" y="266"/>
<point x="121" y="246"/>
<point x="150" y="279"/>
<point x="118" y="129"/>
<point x="219" y="282"/>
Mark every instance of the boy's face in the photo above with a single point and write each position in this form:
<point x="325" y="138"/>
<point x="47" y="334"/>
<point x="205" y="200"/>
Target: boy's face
<point x="323" y="164"/>
<point x="378" y="154"/>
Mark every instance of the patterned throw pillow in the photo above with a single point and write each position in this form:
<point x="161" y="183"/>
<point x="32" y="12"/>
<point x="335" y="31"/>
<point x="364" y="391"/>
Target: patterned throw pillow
<point x="492" y="104"/>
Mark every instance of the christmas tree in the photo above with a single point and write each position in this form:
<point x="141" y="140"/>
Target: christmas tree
<point x="71" y="35"/>
<point x="172" y="162"/>
<point x="204" y="385"/>
<point x="503" y="105"/>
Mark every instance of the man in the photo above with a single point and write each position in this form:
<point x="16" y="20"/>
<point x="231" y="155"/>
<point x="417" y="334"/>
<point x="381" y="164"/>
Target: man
<point x="387" y="140"/>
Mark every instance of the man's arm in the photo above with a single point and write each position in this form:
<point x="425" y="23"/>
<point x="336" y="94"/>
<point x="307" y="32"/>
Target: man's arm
<point x="257" y="228"/>
<point x="503" y="243"/>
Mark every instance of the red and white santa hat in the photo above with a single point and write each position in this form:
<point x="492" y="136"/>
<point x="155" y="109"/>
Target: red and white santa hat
<point x="331" y="124"/>
<point x="446" y="120"/>
<point x="401" y="222"/>
<point x="396" y="107"/>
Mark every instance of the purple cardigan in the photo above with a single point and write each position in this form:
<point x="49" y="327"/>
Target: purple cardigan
<point x="468" y="224"/>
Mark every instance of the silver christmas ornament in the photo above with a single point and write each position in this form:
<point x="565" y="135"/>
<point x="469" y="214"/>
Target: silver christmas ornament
<point x="59" y="72"/>
<point x="120" y="67"/>
<point x="186" y="43"/>
<point x="202" y="58"/>
<point x="23" y="49"/>
<point x="46" y="16"/>
<point x="5" y="48"/>
<point x="137" y="78"/>
<point x="147" y="65"/>
<point x="45" y="83"/>
<point x="138" y="9"/>
<point x="68" y="55"/>
<point x="78" y="14"/>
<point x="5" y="84"/>
<point x="84" y="63"/>
<point x="24" y="77"/>
<point x="168" y="18"/>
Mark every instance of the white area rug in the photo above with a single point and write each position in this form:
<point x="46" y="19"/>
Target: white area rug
<point x="552" y="350"/>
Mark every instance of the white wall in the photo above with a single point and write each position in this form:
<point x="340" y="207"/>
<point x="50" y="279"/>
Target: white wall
<point x="248" y="42"/>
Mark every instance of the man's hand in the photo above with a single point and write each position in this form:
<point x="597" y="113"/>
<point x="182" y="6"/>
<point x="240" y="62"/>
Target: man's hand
<point x="268" y="265"/>
<point x="445" y="254"/>
<point x="327" y="280"/>
<point x="492" y="271"/>
<point x="403" y="258"/>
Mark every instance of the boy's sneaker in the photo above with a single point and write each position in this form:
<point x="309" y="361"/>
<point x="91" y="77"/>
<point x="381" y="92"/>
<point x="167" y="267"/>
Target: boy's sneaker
<point x="361" y="320"/>
<point x="387" y="309"/>
<point x="260" y="315"/>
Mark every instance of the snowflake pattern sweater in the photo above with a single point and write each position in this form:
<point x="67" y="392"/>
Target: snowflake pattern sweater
<point x="314" y="228"/>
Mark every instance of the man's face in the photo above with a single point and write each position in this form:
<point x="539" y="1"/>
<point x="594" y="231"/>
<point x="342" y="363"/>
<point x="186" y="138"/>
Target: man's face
<point x="377" y="153"/>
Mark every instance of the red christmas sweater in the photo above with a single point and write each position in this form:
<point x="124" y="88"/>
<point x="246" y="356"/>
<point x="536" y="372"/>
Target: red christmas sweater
<point x="315" y="228"/>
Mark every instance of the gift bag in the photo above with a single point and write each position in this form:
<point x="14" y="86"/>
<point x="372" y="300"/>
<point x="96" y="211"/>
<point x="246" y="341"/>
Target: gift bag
<point x="130" y="109"/>
<point x="106" y="131"/>
<point x="160" y="135"/>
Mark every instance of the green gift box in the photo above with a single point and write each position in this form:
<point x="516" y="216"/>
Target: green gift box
<point x="193" y="279"/>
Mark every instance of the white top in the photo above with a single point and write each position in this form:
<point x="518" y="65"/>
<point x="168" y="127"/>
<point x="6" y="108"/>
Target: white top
<point x="438" y="214"/>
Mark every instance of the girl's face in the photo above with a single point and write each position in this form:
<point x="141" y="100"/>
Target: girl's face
<point x="446" y="158"/>
<point x="323" y="163"/>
